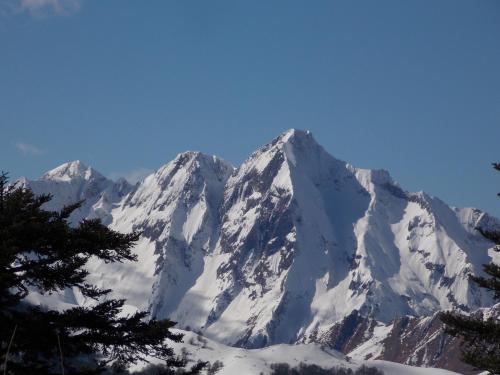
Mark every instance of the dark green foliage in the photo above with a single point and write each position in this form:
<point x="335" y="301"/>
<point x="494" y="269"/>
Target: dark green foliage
<point x="492" y="283"/>
<point x="40" y="251"/>
<point x="481" y="338"/>
<point x="305" y="369"/>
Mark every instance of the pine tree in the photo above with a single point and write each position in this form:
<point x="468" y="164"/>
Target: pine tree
<point x="40" y="251"/>
<point x="481" y="338"/>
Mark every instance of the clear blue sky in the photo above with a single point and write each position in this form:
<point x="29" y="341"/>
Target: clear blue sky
<point x="409" y="86"/>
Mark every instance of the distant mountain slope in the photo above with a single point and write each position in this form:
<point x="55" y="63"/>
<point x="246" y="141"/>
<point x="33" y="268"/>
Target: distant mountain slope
<point x="283" y="248"/>
<point x="73" y="182"/>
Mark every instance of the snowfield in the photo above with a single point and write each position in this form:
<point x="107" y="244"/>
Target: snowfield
<point x="255" y="361"/>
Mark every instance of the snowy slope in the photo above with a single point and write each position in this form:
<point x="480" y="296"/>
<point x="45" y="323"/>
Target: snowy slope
<point x="256" y="361"/>
<point x="282" y="248"/>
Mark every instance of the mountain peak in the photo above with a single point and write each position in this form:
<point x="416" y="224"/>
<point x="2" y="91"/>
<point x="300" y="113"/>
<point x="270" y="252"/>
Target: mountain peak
<point x="197" y="159"/>
<point x="192" y="162"/>
<point x="291" y="134"/>
<point x="287" y="139"/>
<point x="69" y="171"/>
<point x="295" y="146"/>
<point x="187" y="156"/>
<point x="294" y="138"/>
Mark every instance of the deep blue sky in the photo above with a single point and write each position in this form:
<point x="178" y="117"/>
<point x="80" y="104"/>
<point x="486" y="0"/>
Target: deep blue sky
<point x="409" y="86"/>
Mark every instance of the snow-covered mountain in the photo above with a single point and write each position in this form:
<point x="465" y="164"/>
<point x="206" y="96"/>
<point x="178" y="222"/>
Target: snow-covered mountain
<point x="282" y="248"/>
<point x="73" y="182"/>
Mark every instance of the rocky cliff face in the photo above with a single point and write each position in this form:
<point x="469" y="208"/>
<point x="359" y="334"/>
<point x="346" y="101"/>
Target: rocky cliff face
<point x="292" y="246"/>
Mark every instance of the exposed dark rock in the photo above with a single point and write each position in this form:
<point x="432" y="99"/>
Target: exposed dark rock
<point x="348" y="334"/>
<point x="416" y="341"/>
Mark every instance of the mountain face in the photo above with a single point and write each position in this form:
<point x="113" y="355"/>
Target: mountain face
<point x="416" y="341"/>
<point x="283" y="248"/>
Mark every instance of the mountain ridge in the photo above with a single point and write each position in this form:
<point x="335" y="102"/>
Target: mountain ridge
<point x="283" y="247"/>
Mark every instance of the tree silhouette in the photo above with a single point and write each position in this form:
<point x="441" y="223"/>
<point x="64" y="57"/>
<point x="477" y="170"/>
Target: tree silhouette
<point x="481" y="337"/>
<point x="40" y="252"/>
